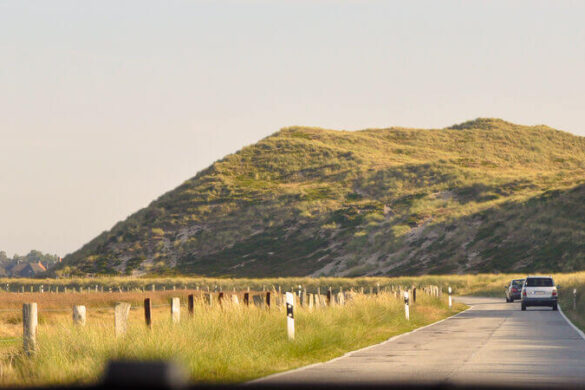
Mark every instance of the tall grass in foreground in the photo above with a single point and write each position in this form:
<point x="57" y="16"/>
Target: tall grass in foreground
<point x="229" y="344"/>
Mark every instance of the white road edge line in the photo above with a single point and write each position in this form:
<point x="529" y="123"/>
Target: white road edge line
<point x="347" y="354"/>
<point x="579" y="331"/>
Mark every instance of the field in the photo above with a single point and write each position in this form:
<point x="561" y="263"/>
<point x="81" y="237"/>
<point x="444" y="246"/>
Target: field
<point x="223" y="343"/>
<point x="227" y="343"/>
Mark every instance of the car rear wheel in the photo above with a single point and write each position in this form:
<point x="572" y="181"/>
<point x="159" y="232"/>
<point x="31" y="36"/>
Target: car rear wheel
<point x="523" y="306"/>
<point x="511" y="300"/>
<point x="507" y="300"/>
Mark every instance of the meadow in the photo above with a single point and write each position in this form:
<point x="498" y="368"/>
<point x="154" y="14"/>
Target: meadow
<point x="224" y="343"/>
<point x="218" y="344"/>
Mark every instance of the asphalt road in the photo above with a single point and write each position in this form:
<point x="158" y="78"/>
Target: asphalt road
<point x="492" y="343"/>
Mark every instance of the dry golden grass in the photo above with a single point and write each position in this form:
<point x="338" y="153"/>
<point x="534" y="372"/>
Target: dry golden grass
<point x="227" y="343"/>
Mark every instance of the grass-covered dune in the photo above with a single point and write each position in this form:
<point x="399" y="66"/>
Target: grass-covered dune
<point x="482" y="196"/>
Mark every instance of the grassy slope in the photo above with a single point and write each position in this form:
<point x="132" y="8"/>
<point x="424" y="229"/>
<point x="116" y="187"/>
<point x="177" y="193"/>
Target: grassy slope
<point x="486" y="196"/>
<point x="217" y="345"/>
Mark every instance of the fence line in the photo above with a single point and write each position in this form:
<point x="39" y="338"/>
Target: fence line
<point x="268" y="298"/>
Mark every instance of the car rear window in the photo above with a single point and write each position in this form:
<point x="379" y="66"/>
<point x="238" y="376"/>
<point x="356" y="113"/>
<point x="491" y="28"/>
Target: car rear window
<point x="518" y="282"/>
<point x="539" y="282"/>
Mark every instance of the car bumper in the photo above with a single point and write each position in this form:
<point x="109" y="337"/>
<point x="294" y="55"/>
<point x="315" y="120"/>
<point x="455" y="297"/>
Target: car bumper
<point x="539" y="301"/>
<point x="515" y="296"/>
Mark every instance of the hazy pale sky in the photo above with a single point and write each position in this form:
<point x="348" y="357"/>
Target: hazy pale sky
<point x="105" y="105"/>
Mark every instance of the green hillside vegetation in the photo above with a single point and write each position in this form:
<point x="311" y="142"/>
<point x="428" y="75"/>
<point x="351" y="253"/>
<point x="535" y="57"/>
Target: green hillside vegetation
<point x="482" y="196"/>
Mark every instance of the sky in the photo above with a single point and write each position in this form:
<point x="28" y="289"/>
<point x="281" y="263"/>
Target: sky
<point x="106" y="105"/>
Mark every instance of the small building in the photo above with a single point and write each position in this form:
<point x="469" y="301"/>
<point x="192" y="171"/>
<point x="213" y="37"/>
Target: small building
<point x="27" y="270"/>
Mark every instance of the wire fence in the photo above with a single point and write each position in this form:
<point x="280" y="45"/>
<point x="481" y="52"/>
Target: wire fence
<point x="267" y="299"/>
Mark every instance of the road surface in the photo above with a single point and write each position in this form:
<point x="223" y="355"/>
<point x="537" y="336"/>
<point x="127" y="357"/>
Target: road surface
<point x="491" y="343"/>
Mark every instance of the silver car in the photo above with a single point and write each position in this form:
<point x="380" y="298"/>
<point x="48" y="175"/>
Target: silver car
<point x="539" y="291"/>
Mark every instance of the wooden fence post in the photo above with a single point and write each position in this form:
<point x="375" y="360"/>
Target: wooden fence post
<point x="268" y="299"/>
<point x="247" y="299"/>
<point x="414" y="295"/>
<point x="329" y="297"/>
<point x="121" y="314"/>
<point x="340" y="298"/>
<point x="29" y="325"/>
<point x="148" y="312"/>
<point x="79" y="315"/>
<point x="220" y="297"/>
<point x="191" y="304"/>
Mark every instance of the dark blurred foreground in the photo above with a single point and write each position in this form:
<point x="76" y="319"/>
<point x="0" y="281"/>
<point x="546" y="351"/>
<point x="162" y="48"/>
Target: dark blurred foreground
<point x="164" y="375"/>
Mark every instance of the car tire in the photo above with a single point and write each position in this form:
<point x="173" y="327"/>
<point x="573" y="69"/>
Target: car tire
<point x="555" y="307"/>
<point x="511" y="300"/>
<point x="523" y="306"/>
<point x="507" y="300"/>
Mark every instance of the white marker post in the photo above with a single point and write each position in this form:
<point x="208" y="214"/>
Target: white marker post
<point x="79" y="315"/>
<point x="406" y="310"/>
<point x="300" y="295"/>
<point x="574" y="299"/>
<point x="450" y="300"/>
<point x="290" y="317"/>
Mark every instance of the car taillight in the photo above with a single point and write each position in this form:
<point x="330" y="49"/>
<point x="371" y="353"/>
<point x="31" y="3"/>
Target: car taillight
<point x="524" y="292"/>
<point x="554" y="293"/>
<point x="514" y="289"/>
